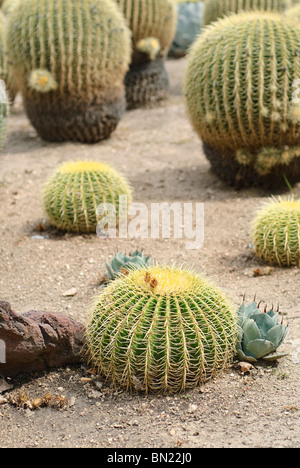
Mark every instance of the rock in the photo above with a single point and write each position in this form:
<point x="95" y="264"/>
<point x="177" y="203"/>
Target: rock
<point x="70" y="293"/>
<point x="38" y="340"/>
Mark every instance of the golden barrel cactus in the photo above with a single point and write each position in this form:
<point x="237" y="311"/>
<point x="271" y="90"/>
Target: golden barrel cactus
<point x="240" y="97"/>
<point x="161" y="329"/>
<point x="70" y="58"/>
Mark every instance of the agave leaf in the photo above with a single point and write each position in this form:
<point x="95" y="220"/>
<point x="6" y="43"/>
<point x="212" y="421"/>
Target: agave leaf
<point x="276" y="335"/>
<point x="264" y="323"/>
<point x="242" y="356"/>
<point x="250" y="310"/>
<point x="259" y="348"/>
<point x="274" y="356"/>
<point x="116" y="263"/>
<point x="251" y="332"/>
<point x="111" y="274"/>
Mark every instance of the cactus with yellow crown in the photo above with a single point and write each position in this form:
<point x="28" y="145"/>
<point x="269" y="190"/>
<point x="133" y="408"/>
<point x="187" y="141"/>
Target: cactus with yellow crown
<point x="215" y="9"/>
<point x="153" y="26"/>
<point x="276" y="232"/>
<point x="241" y="98"/>
<point x="73" y="193"/>
<point x="70" y="58"/>
<point x="161" y="329"/>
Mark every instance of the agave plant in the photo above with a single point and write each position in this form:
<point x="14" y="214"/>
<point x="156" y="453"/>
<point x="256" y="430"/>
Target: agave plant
<point x="260" y="333"/>
<point x="124" y="263"/>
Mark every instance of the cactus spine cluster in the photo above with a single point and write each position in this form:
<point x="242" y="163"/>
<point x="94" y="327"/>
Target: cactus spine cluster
<point x="153" y="26"/>
<point x="276" y="232"/>
<point x="215" y="9"/>
<point x="238" y="88"/>
<point x="75" y="190"/>
<point x="161" y="329"/>
<point x="85" y="47"/>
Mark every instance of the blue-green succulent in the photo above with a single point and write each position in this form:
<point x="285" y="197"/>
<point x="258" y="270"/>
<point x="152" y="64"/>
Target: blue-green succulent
<point x="260" y="333"/>
<point x="122" y="264"/>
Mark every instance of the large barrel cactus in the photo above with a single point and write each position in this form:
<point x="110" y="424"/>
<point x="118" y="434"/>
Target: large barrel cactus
<point x="240" y="98"/>
<point x="215" y="9"/>
<point x="189" y="25"/>
<point x="276" y="232"/>
<point x="161" y="329"/>
<point x="73" y="193"/>
<point x="70" y="58"/>
<point x="153" y="24"/>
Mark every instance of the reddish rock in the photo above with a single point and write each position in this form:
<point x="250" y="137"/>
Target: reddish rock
<point x="34" y="341"/>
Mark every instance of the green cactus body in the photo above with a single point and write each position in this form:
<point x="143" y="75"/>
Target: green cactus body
<point x="161" y="329"/>
<point x="189" y="26"/>
<point x="76" y="189"/>
<point x="276" y="232"/>
<point x="152" y="22"/>
<point x="215" y="9"/>
<point x="85" y="45"/>
<point x="239" y="89"/>
<point x="260" y="333"/>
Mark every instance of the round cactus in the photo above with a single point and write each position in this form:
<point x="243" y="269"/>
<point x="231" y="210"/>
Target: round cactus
<point x="85" y="48"/>
<point x="239" y="97"/>
<point x="215" y="9"/>
<point x="153" y="26"/>
<point x="189" y="25"/>
<point x="76" y="189"/>
<point x="276" y="232"/>
<point x="161" y="329"/>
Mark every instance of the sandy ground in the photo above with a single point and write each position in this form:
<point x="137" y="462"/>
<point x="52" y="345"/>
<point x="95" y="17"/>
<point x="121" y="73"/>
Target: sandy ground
<point x="162" y="158"/>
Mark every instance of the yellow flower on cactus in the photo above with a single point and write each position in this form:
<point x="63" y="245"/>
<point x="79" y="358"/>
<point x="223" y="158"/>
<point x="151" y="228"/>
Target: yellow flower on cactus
<point x="42" y="81"/>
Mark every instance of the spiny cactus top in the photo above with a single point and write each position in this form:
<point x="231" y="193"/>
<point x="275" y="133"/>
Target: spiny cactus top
<point x="239" y="83"/>
<point x="150" y="19"/>
<point x="76" y="189"/>
<point x="161" y="329"/>
<point x="215" y="9"/>
<point x="276" y="232"/>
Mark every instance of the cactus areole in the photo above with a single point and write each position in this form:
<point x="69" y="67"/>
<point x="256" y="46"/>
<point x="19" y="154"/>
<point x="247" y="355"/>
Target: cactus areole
<point x="70" y="58"/>
<point x="239" y="97"/>
<point x="161" y="329"/>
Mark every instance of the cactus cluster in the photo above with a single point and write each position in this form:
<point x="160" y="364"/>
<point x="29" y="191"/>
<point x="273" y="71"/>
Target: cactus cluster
<point x="76" y="189"/>
<point x="84" y="48"/>
<point x="238" y="88"/>
<point x="189" y="25"/>
<point x="276" y="232"/>
<point x="260" y="333"/>
<point x="153" y="25"/>
<point x="161" y="329"/>
<point x="215" y="9"/>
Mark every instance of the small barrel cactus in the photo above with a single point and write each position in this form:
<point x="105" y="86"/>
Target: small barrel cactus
<point x="161" y="329"/>
<point x="239" y="98"/>
<point x="83" y="48"/>
<point x="260" y="333"/>
<point x="189" y="25"/>
<point x="215" y="9"/>
<point x="276" y="232"/>
<point x="76" y="189"/>
<point x="122" y="264"/>
<point x="153" y="25"/>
